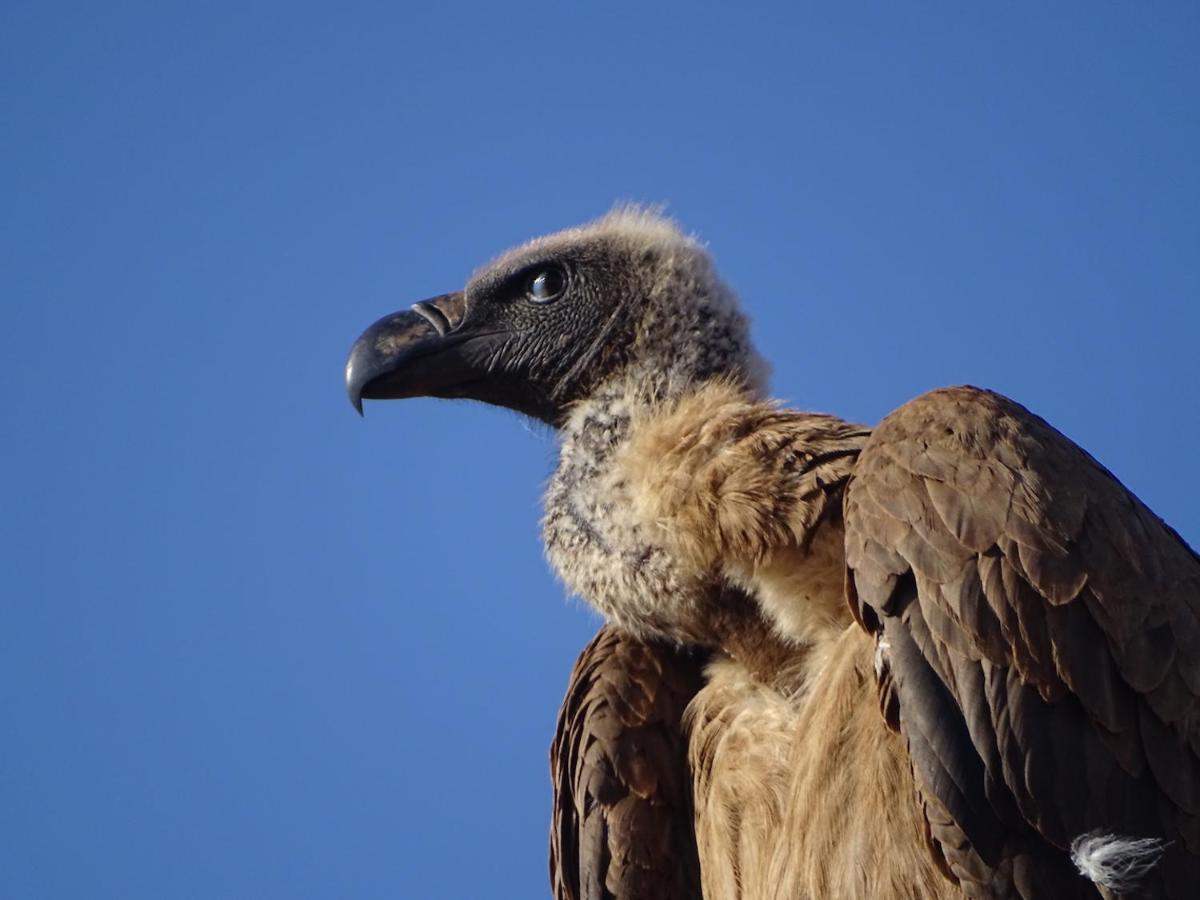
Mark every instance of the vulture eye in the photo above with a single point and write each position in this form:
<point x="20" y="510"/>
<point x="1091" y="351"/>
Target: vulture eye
<point x="546" y="286"/>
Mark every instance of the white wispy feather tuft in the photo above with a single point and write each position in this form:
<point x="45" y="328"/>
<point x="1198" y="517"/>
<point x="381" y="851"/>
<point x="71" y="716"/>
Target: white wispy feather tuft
<point x="1115" y="862"/>
<point x="881" y="647"/>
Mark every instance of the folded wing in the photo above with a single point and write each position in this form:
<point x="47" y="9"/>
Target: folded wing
<point x="622" y="825"/>
<point x="1040" y="630"/>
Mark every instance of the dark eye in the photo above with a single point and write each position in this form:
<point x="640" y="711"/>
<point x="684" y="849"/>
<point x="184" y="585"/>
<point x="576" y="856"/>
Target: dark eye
<point x="546" y="285"/>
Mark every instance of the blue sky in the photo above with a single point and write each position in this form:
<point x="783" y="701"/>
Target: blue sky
<point x="253" y="646"/>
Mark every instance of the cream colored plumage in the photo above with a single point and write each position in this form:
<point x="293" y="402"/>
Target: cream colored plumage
<point x="753" y="493"/>
<point x="948" y="657"/>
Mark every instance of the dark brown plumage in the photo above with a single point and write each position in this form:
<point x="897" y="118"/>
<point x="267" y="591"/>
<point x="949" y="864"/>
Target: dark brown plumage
<point x="1043" y="640"/>
<point x="621" y="824"/>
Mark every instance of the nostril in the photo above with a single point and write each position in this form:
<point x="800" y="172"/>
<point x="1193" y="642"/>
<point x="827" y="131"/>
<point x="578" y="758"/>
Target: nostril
<point x="433" y="316"/>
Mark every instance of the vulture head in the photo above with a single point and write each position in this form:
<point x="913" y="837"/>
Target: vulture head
<point x="628" y="298"/>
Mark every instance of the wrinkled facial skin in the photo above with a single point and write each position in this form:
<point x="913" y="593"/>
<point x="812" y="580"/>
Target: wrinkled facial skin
<point x="554" y="350"/>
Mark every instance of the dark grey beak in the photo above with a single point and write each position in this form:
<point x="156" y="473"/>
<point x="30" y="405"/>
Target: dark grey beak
<point x="422" y="352"/>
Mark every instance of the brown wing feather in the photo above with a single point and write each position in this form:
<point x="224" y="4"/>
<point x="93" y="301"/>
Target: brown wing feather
<point x="622" y="824"/>
<point x="1042" y="635"/>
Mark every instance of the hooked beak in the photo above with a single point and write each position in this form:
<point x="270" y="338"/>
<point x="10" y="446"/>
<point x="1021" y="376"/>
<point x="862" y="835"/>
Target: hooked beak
<point x="422" y="352"/>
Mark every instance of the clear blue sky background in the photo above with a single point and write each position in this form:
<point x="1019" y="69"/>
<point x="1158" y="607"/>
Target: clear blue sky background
<point x="252" y="646"/>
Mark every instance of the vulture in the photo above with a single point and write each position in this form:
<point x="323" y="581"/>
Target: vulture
<point x="947" y="656"/>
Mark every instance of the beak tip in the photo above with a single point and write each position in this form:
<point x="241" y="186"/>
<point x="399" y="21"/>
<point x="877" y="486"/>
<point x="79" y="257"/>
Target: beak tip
<point x="354" y="387"/>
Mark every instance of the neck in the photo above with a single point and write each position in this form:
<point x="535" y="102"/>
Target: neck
<point x="603" y="418"/>
<point x="593" y="540"/>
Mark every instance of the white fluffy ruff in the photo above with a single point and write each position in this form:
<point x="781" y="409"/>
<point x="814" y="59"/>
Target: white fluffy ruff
<point x="1118" y="863"/>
